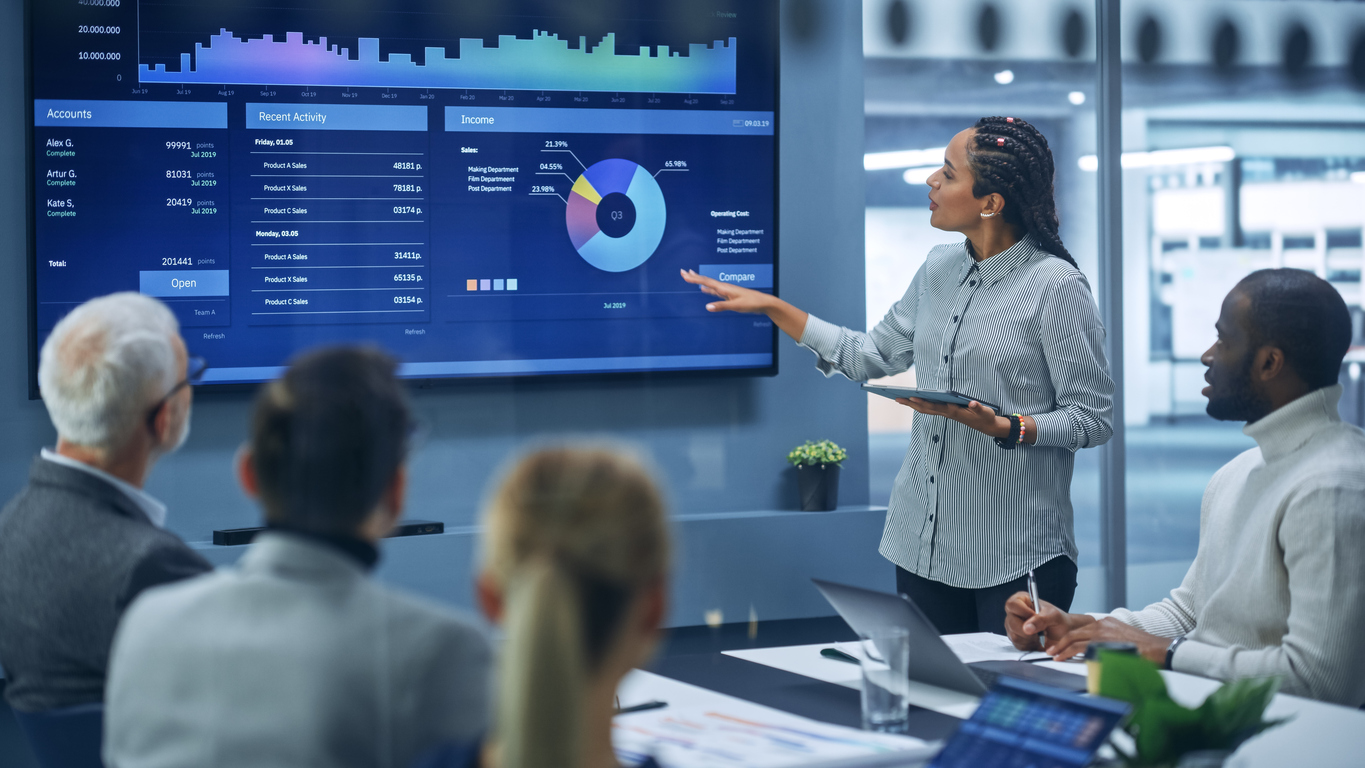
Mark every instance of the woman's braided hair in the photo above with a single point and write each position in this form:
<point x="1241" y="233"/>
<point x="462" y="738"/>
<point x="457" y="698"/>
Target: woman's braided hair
<point x="1011" y="158"/>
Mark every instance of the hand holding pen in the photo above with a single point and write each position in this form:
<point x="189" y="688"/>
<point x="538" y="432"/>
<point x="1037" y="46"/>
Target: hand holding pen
<point x="1034" y="624"/>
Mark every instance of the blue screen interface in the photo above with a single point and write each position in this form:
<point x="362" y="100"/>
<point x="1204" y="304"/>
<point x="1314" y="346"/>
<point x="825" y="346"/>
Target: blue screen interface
<point x="483" y="189"/>
<point x="1020" y="724"/>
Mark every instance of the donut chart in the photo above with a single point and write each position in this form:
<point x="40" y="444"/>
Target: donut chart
<point x="615" y="215"/>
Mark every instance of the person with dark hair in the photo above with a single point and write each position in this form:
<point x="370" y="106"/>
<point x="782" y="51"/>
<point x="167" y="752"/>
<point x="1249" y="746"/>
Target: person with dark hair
<point x="296" y="656"/>
<point x="1277" y="587"/>
<point x="982" y="498"/>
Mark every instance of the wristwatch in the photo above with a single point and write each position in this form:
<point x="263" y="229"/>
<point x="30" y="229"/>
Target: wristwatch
<point x="1170" y="651"/>
<point x="1016" y="425"/>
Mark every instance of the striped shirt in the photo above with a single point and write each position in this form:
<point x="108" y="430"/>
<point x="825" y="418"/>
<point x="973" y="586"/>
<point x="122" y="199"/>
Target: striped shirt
<point x="1020" y="330"/>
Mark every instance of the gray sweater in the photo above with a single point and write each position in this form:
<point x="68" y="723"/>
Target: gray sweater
<point x="74" y="552"/>
<point x="1278" y="584"/>
<point x="295" y="657"/>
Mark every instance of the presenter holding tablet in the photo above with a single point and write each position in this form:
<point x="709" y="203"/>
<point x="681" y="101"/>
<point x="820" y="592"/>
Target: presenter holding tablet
<point x="982" y="497"/>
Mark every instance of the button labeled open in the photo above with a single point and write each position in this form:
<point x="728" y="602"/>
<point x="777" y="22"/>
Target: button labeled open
<point x="183" y="282"/>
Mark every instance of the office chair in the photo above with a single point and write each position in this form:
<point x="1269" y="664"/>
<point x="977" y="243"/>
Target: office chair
<point x="65" y="738"/>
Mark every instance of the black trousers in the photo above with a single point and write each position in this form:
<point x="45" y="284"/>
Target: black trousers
<point x="957" y="609"/>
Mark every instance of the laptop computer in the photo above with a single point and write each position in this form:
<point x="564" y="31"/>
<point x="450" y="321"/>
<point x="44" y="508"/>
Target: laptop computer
<point x="1020" y="723"/>
<point x="932" y="661"/>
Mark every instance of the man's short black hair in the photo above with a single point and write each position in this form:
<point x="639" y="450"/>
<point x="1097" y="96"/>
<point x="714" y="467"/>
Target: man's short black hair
<point x="1303" y="316"/>
<point x="327" y="438"/>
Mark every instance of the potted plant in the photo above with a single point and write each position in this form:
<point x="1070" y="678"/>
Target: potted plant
<point x="817" y="472"/>
<point x="1164" y="733"/>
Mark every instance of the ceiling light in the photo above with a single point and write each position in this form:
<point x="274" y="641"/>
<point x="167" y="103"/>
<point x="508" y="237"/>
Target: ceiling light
<point x="1076" y="97"/>
<point x="1164" y="157"/>
<point x="1004" y="76"/>
<point x="917" y="176"/>
<point x="905" y="158"/>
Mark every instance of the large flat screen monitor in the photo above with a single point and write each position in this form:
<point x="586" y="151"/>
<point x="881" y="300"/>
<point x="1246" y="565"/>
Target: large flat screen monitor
<point x="485" y="188"/>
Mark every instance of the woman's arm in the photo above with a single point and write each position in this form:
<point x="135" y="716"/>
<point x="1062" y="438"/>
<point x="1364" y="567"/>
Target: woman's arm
<point x="735" y="298"/>
<point x="887" y="349"/>
<point x="976" y="416"/>
<point x="1073" y="345"/>
<point x="1072" y="339"/>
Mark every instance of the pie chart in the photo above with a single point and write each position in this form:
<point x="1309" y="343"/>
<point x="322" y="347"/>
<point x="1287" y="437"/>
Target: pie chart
<point x="615" y="215"/>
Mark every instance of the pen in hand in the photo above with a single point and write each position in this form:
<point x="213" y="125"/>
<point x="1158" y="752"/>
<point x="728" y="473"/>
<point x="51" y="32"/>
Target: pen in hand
<point x="1033" y="596"/>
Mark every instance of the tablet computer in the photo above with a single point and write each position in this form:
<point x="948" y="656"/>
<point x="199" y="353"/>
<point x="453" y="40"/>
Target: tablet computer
<point x="932" y="395"/>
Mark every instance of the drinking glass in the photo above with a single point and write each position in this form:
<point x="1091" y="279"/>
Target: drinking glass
<point x="886" y="674"/>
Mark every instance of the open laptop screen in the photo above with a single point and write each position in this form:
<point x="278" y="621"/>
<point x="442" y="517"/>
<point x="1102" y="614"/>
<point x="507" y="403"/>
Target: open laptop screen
<point x="1025" y="724"/>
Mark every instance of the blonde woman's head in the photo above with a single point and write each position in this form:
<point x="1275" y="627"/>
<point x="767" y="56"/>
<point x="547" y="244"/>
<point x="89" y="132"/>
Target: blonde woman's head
<point x="576" y="555"/>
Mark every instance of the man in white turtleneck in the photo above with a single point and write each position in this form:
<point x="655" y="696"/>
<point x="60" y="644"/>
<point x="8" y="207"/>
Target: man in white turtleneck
<point x="1278" y="585"/>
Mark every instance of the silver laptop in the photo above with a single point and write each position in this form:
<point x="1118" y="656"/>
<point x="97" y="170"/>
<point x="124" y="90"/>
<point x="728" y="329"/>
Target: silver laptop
<point x="932" y="661"/>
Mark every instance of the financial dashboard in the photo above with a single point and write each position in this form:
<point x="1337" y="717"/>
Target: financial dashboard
<point x="484" y="189"/>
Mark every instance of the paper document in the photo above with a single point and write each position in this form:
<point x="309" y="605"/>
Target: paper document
<point x="706" y="737"/>
<point x="987" y="646"/>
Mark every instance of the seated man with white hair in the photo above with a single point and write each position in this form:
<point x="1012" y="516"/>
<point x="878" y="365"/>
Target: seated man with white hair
<point x="83" y="539"/>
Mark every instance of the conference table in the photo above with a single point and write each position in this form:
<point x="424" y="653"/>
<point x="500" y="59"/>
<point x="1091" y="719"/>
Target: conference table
<point x="792" y="685"/>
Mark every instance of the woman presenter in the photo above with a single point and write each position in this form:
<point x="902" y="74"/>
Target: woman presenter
<point x="982" y="498"/>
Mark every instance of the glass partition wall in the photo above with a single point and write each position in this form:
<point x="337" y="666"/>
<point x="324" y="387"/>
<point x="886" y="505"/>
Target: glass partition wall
<point x="1242" y="129"/>
<point x="1244" y="148"/>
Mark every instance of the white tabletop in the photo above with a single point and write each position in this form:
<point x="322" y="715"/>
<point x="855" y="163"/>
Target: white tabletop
<point x="704" y="729"/>
<point x="1320" y="735"/>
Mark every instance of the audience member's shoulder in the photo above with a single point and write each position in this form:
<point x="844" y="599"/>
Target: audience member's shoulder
<point x="1352" y="438"/>
<point x="163" y="559"/>
<point x="172" y="581"/>
<point x="1337" y="456"/>
<point x="426" y="621"/>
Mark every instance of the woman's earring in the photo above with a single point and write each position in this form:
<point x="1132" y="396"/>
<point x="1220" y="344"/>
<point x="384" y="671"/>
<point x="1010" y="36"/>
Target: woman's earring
<point x="987" y="215"/>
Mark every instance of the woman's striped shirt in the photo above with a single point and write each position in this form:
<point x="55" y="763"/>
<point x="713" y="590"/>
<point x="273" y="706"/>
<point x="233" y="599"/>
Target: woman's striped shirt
<point x="1020" y="330"/>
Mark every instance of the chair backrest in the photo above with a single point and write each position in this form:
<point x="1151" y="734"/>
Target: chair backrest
<point x="65" y="738"/>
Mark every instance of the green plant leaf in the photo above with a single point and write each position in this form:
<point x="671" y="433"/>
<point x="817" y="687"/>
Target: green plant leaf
<point x="1234" y="713"/>
<point x="1130" y="678"/>
<point x="1163" y="730"/>
<point x="811" y="454"/>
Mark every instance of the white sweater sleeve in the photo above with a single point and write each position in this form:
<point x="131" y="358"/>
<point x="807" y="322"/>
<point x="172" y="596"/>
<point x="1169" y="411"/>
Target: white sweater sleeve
<point x="1322" y="534"/>
<point x="1172" y="617"/>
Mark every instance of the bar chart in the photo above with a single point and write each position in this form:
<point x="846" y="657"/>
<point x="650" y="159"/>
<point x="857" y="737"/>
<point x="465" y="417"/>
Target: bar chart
<point x="543" y="62"/>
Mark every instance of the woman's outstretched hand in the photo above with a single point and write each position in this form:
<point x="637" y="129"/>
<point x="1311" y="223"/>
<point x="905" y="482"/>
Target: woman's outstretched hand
<point x="733" y="297"/>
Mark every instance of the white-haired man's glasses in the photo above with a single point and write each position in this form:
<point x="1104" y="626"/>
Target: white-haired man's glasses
<point x="194" y="373"/>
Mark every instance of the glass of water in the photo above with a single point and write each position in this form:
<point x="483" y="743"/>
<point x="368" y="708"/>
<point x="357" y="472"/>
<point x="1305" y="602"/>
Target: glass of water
<point x="886" y="675"/>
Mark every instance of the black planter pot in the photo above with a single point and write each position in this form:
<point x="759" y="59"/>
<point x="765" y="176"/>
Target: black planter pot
<point x="819" y="487"/>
